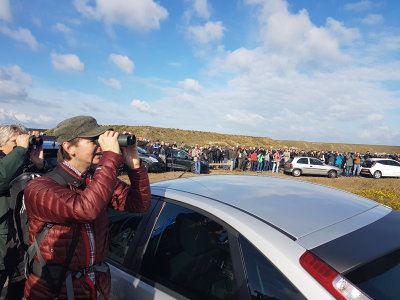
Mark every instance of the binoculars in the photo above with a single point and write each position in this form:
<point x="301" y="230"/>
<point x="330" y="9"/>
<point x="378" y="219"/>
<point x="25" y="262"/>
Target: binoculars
<point x="124" y="140"/>
<point x="35" y="141"/>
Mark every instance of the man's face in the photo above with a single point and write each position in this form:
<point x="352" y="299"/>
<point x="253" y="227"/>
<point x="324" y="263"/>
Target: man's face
<point x="83" y="152"/>
<point x="10" y="144"/>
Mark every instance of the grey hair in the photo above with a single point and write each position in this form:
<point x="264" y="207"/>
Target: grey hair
<point x="7" y="131"/>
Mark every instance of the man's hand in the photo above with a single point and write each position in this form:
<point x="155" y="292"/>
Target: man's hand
<point x="37" y="156"/>
<point x="108" y="141"/>
<point x="131" y="155"/>
<point x="22" y="140"/>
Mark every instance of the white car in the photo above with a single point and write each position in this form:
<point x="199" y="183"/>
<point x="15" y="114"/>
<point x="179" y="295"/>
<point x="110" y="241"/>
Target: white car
<point x="254" y="237"/>
<point x="381" y="167"/>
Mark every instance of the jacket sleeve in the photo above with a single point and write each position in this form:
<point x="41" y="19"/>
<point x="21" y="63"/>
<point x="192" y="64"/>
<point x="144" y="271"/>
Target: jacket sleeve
<point x="11" y="165"/>
<point x="47" y="201"/>
<point x="136" y="196"/>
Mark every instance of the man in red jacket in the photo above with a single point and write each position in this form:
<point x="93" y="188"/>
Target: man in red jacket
<point x="80" y="209"/>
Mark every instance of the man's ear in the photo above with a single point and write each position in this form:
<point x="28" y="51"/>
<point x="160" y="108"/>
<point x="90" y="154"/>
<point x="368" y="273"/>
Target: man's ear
<point x="70" y="149"/>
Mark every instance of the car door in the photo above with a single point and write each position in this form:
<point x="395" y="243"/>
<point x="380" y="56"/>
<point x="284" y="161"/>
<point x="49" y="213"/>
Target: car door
<point x="186" y="255"/>
<point x="396" y="168"/>
<point x="125" y="229"/>
<point x="317" y="167"/>
<point x="304" y="165"/>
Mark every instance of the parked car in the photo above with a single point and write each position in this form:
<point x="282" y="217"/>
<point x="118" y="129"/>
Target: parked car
<point x="254" y="237"/>
<point x="380" y="167"/>
<point x="310" y="166"/>
<point x="151" y="162"/>
<point x="181" y="160"/>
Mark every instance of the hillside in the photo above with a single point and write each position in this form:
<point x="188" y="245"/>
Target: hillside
<point x="191" y="137"/>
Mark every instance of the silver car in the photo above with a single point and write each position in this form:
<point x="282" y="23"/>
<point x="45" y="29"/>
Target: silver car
<point x="254" y="237"/>
<point x="310" y="166"/>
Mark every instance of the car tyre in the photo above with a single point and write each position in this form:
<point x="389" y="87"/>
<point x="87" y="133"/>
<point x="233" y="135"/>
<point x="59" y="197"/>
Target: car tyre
<point x="377" y="174"/>
<point x="332" y="174"/>
<point x="296" y="172"/>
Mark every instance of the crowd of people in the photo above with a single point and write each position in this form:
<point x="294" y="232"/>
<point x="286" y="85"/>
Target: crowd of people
<point x="261" y="159"/>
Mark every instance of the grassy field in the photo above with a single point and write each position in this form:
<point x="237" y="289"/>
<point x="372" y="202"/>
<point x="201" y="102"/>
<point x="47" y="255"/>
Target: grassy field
<point x="385" y="190"/>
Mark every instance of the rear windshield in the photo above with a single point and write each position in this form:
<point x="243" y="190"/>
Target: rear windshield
<point x="368" y="163"/>
<point x="379" y="278"/>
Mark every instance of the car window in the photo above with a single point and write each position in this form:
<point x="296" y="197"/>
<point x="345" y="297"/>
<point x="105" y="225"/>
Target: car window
<point x="121" y="231"/>
<point x="395" y="163"/>
<point x="367" y="163"/>
<point x="303" y="161"/>
<point x="379" y="278"/>
<point x="190" y="254"/>
<point x="316" y="162"/>
<point x="265" y="281"/>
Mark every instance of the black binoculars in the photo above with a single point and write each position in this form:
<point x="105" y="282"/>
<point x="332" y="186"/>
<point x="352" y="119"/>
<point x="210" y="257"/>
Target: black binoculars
<point x="124" y="140"/>
<point x="35" y="141"/>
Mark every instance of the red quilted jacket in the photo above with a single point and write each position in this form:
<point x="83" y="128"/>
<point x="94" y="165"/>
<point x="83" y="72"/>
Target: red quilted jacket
<point x="47" y="201"/>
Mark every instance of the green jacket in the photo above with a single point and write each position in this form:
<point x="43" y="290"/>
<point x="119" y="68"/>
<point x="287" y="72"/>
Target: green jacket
<point x="11" y="166"/>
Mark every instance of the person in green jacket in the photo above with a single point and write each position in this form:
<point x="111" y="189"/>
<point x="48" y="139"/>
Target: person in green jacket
<point x="15" y="158"/>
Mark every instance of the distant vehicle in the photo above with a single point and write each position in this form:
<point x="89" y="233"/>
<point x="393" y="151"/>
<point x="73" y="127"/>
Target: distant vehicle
<point x="181" y="160"/>
<point x="310" y="166"/>
<point x="151" y="162"/>
<point x="254" y="237"/>
<point x="380" y="167"/>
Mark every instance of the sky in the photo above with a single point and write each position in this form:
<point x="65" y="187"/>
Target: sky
<point x="320" y="71"/>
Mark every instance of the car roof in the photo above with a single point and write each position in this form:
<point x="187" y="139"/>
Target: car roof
<point x="296" y="208"/>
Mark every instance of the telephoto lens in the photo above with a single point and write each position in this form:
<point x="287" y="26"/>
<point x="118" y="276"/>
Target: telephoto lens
<point x="35" y="141"/>
<point x="126" y="140"/>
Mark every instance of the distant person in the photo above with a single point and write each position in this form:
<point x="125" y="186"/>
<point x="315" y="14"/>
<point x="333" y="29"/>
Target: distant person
<point x="196" y="153"/>
<point x="357" y="163"/>
<point x="277" y="157"/>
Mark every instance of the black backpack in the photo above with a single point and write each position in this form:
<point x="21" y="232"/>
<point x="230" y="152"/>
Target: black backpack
<point x="19" y="255"/>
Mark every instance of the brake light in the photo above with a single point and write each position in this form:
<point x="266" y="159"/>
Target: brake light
<point x="338" y="286"/>
<point x="291" y="166"/>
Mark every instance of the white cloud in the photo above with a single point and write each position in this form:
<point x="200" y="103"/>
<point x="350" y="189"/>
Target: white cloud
<point x="190" y="85"/>
<point x="358" y="6"/>
<point x="342" y="34"/>
<point x="211" y="31"/>
<point x="13" y="84"/>
<point x="112" y="82"/>
<point x="198" y="8"/>
<point x="123" y="62"/>
<point x="372" y="19"/>
<point x="244" y="117"/>
<point x="62" y="28"/>
<point x="22" y="35"/>
<point x="375" y="117"/>
<point x="294" y="37"/>
<point x="142" y="15"/>
<point x="143" y="106"/>
<point x="66" y="62"/>
<point x="5" y="13"/>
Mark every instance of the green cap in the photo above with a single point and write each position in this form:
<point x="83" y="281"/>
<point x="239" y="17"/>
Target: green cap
<point x="80" y="126"/>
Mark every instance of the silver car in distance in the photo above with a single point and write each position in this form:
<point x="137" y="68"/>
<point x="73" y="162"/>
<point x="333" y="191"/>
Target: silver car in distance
<point x="310" y="166"/>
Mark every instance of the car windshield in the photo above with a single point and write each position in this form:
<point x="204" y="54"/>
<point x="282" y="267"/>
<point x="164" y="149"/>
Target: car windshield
<point x="368" y="163"/>
<point x="379" y="278"/>
<point x="141" y="151"/>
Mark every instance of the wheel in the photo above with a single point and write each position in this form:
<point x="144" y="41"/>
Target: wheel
<point x="377" y="174"/>
<point x="146" y="166"/>
<point x="296" y="172"/>
<point x="332" y="174"/>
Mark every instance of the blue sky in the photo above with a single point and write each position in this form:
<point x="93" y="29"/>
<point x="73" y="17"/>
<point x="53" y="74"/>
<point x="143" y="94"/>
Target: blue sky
<point x="322" y="71"/>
